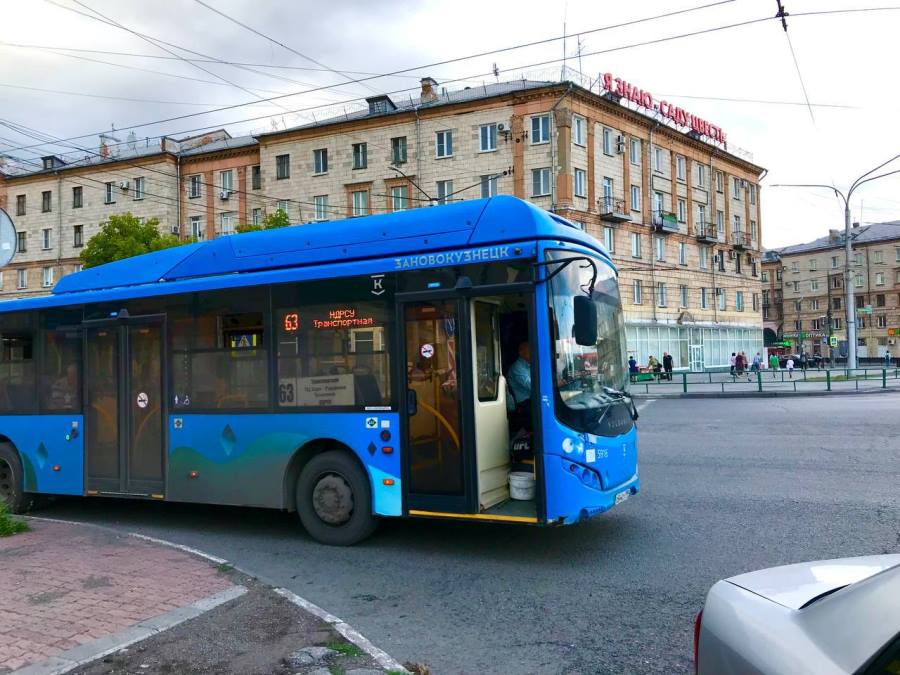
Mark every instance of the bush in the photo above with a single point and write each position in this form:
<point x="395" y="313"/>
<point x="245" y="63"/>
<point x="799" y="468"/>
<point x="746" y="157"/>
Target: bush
<point x="9" y="525"/>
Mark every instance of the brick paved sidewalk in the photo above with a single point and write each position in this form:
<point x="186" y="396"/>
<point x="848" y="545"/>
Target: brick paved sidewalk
<point x="65" y="585"/>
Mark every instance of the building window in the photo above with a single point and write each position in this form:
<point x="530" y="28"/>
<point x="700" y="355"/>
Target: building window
<point x="837" y="322"/>
<point x="723" y="299"/>
<point x="680" y="167"/>
<point x="658" y="159"/>
<point x="881" y="321"/>
<point x="817" y="324"/>
<point x="814" y="304"/>
<point x="752" y="193"/>
<point x="701" y="216"/>
<point x="77" y="197"/>
<point x="721" y="259"/>
<point x="283" y="205"/>
<point x="488" y="186"/>
<point x="580" y="183"/>
<point x="796" y="287"/>
<point x="196" y="228"/>
<point x="813" y="265"/>
<point x="608" y="147"/>
<point x="878" y="257"/>
<point x="661" y="294"/>
<point x="360" y="155"/>
<point x="398" y="150"/>
<point x="46" y="197"/>
<point x="22" y="279"/>
<point x="683" y="292"/>
<point x="720" y="181"/>
<point x="704" y="300"/>
<point x="360" y="202"/>
<point x="487" y="138"/>
<point x="45" y="238"/>
<point x="443" y="144"/>
<point x="609" y="239"/>
<point x="635" y="198"/>
<point x="226" y="223"/>
<point x="540" y="129"/>
<point x="20" y="207"/>
<point x="139" y="187"/>
<point x="880" y="300"/>
<point x="701" y="175"/>
<point x="720" y="222"/>
<point x="194" y="183"/>
<point x="858" y="281"/>
<point x="814" y="284"/>
<point x="109" y="197"/>
<point x="636" y="292"/>
<point x="226" y="181"/>
<point x="256" y="216"/>
<point x="444" y="190"/>
<point x="736" y="188"/>
<point x="704" y="257"/>
<point x="737" y="263"/>
<point x="399" y="198"/>
<point x="255" y="177"/>
<point x="320" y="161"/>
<point x="682" y="253"/>
<point x="753" y="231"/>
<point x="682" y="211"/>
<point x="78" y="236"/>
<point x="835" y="303"/>
<point x="540" y="182"/>
<point x="660" y="246"/>
<point x="635" y="245"/>
<point x="736" y="227"/>
<point x="795" y="267"/>
<point x="21" y="242"/>
<point x="321" y="207"/>
<point x="857" y="258"/>
<point x="765" y="295"/>
<point x="579" y="130"/>
<point x="879" y="278"/>
<point x="282" y="167"/>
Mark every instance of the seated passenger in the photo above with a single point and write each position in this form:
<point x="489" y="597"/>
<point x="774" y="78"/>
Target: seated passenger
<point x="519" y="383"/>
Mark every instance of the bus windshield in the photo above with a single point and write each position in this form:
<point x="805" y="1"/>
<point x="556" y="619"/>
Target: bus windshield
<point x="588" y="380"/>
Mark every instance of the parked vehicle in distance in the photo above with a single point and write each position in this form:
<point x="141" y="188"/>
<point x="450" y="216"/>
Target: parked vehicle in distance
<point x="831" y="616"/>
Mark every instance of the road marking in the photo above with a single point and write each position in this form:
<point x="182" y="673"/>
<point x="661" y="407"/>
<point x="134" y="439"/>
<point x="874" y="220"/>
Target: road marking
<point x="643" y="405"/>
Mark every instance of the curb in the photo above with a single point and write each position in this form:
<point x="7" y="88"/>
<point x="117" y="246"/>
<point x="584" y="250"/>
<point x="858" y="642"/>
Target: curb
<point x="352" y="635"/>
<point x="766" y="394"/>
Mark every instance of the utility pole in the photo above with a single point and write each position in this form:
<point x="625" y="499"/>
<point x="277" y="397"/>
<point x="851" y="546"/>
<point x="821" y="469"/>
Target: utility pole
<point x="828" y="327"/>
<point x="848" y="288"/>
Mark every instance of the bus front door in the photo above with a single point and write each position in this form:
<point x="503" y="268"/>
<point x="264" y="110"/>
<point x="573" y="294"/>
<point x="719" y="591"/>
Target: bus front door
<point x="438" y="437"/>
<point x="124" y="431"/>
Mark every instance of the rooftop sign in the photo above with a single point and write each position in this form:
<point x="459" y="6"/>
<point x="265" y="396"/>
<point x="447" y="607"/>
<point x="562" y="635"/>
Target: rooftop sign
<point x="644" y="99"/>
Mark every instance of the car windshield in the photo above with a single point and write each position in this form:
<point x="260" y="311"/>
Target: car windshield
<point x="588" y="378"/>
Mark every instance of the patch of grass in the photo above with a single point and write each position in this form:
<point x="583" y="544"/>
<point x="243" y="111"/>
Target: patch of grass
<point x="345" y="648"/>
<point x="336" y="670"/>
<point x="225" y="568"/>
<point x="10" y="525"/>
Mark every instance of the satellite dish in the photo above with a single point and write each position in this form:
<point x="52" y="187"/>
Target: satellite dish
<point x="8" y="240"/>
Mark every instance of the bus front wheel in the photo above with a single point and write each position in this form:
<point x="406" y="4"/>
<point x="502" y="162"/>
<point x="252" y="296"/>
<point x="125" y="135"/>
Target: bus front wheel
<point x="334" y="500"/>
<point x="11" y="480"/>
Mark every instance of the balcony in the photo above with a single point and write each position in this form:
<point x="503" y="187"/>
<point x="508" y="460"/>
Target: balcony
<point x="706" y="233"/>
<point x="741" y="240"/>
<point x="613" y="210"/>
<point x="663" y="221"/>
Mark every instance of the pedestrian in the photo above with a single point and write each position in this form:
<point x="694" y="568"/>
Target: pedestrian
<point x="746" y="363"/>
<point x="773" y="364"/>
<point x="790" y="367"/>
<point x="633" y="370"/>
<point x="733" y="363"/>
<point x="738" y="365"/>
<point x="887" y="359"/>
<point x="653" y="365"/>
<point x="668" y="365"/>
<point x="803" y="361"/>
<point x="757" y="363"/>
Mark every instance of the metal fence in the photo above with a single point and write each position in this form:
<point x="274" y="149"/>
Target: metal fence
<point x="781" y="380"/>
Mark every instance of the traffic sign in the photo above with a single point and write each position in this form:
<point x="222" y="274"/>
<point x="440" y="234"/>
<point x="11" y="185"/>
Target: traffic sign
<point x="864" y="310"/>
<point x="833" y="341"/>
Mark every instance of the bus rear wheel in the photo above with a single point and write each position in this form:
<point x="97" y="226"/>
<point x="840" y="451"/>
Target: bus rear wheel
<point x="11" y="480"/>
<point x="334" y="500"/>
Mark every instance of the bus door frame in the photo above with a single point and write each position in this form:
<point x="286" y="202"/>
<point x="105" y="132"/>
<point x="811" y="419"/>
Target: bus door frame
<point x="461" y="294"/>
<point x="121" y="323"/>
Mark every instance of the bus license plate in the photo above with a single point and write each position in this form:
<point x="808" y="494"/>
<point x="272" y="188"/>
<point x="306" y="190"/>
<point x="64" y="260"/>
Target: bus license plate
<point x="622" y="496"/>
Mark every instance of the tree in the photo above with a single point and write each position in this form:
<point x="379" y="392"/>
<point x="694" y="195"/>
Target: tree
<point x="270" y="221"/>
<point x="124" y="236"/>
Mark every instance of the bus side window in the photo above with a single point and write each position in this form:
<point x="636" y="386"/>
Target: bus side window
<point x="17" y="366"/>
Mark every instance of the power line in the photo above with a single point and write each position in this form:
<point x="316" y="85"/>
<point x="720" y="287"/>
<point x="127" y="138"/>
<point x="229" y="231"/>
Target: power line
<point x="761" y="101"/>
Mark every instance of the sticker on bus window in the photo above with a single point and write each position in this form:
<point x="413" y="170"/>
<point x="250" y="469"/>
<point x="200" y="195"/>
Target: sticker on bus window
<point x="427" y="350"/>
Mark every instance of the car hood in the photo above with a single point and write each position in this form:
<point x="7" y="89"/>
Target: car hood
<point x="795" y="586"/>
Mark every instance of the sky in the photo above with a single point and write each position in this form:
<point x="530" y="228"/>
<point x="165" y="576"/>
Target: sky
<point x="848" y="63"/>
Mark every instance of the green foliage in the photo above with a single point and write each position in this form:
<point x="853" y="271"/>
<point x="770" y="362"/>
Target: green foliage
<point x="345" y="648"/>
<point x="9" y="525"/>
<point x="124" y="236"/>
<point x="270" y="221"/>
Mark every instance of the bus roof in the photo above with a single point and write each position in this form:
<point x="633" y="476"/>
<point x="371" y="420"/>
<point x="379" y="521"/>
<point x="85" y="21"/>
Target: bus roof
<point x="474" y="223"/>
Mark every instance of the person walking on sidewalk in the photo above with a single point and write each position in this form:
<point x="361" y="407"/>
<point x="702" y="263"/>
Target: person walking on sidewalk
<point x="773" y="364"/>
<point x="887" y="359"/>
<point x="633" y="369"/>
<point x="738" y="365"/>
<point x="733" y="363"/>
<point x="668" y="365"/>
<point x="757" y="363"/>
<point x="790" y="367"/>
<point x="804" y="359"/>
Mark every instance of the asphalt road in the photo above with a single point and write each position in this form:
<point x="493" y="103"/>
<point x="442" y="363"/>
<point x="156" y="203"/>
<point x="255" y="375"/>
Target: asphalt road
<point x="728" y="486"/>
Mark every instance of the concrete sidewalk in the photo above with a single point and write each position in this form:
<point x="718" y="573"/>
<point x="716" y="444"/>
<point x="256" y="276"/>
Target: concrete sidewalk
<point x="70" y="592"/>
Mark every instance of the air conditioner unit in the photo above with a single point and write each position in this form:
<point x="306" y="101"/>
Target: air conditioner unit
<point x="891" y="341"/>
<point x="176" y="229"/>
<point x="224" y="194"/>
<point x="620" y="144"/>
<point x="501" y="127"/>
<point x="733" y="255"/>
<point x="124" y="185"/>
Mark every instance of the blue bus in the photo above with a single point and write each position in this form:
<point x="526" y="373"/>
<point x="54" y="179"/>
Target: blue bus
<point x="346" y="371"/>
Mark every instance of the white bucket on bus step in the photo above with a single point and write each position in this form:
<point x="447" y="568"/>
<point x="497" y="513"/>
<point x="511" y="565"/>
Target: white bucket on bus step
<point x="521" y="485"/>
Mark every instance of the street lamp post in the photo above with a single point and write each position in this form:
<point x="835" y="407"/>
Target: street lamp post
<point x="848" y="288"/>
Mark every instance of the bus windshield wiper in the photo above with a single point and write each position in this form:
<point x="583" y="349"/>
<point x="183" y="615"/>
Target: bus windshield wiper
<point x="624" y="396"/>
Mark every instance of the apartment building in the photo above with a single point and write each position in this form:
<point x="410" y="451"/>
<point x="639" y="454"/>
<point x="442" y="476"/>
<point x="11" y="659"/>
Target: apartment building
<point x="810" y="278"/>
<point x="679" y="211"/>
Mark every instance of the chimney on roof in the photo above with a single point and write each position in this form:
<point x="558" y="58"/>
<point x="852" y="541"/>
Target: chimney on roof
<point x="834" y="236"/>
<point x="429" y="90"/>
<point x="855" y="225"/>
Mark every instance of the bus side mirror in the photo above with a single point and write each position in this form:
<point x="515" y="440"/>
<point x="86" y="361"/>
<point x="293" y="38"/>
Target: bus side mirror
<point x="585" y="329"/>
